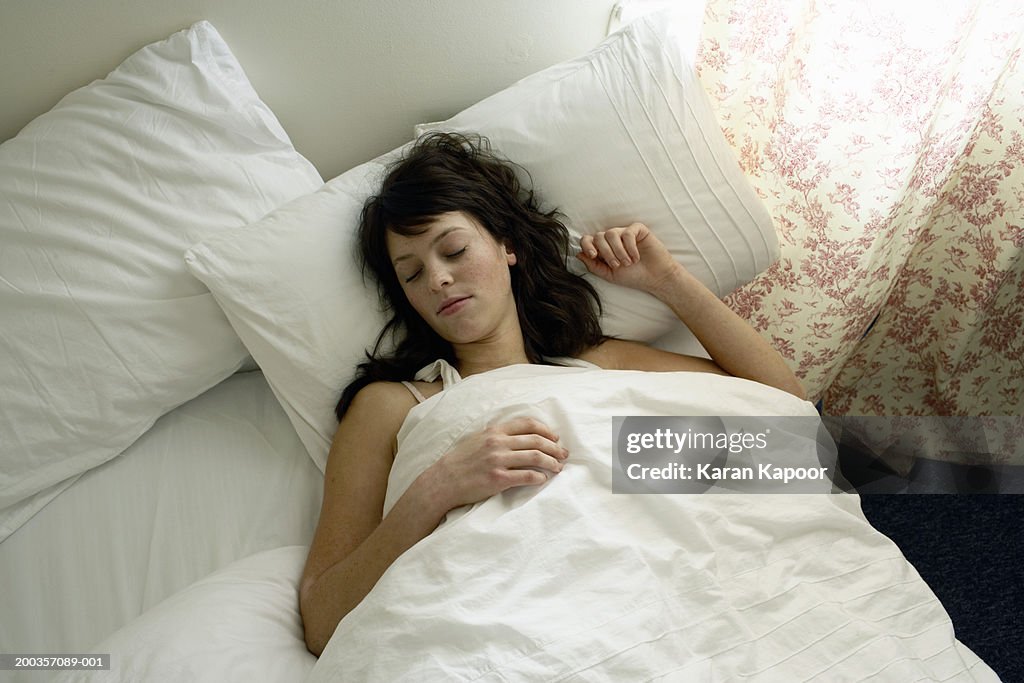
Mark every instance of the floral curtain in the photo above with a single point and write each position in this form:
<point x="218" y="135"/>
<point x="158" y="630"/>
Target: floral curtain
<point x="888" y="141"/>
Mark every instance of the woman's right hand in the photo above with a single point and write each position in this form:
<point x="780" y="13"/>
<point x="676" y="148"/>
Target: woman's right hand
<point x="497" y="458"/>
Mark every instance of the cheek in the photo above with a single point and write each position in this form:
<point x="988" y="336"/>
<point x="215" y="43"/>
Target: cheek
<point x="409" y="292"/>
<point x="493" y="272"/>
<point x="414" y="297"/>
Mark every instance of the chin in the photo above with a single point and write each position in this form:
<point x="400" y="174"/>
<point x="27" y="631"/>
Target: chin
<point x="464" y="336"/>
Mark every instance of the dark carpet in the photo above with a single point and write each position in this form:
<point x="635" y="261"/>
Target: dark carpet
<point x="970" y="551"/>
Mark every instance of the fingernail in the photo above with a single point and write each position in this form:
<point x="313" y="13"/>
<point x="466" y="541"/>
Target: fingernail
<point x="615" y="264"/>
<point x="592" y="253"/>
<point x="627" y="262"/>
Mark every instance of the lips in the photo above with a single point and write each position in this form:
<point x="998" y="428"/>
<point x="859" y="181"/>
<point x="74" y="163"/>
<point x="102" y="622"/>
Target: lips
<point x="448" y="303"/>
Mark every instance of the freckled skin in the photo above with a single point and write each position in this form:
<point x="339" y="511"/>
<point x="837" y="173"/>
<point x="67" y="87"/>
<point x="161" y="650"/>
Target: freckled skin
<point x="456" y="257"/>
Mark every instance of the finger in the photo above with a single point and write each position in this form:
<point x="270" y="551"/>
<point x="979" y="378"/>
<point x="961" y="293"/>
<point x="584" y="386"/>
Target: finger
<point x="524" y="478"/>
<point x="587" y="260"/>
<point x="536" y="442"/>
<point x="615" y="238"/>
<point x="521" y="459"/>
<point x="525" y="424"/>
<point x="629" y="241"/>
<point x="587" y="246"/>
<point x="642" y="232"/>
<point x="594" y="265"/>
<point x="605" y="251"/>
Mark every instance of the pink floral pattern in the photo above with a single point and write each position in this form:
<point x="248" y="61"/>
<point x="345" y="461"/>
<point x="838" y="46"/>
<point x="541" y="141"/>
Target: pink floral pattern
<point x="888" y="144"/>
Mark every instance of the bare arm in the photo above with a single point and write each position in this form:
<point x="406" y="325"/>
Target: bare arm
<point x="328" y="597"/>
<point x="732" y="343"/>
<point x="633" y="257"/>
<point x="353" y="545"/>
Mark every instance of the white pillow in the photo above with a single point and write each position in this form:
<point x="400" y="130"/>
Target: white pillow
<point x="241" y="623"/>
<point x="626" y="133"/>
<point x="291" y="288"/>
<point x="103" y="328"/>
<point x="621" y="134"/>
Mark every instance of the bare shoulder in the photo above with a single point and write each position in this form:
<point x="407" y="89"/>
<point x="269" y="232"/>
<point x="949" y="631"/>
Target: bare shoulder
<point x="381" y="408"/>
<point x="376" y="395"/>
<point x="622" y="354"/>
<point x="378" y="409"/>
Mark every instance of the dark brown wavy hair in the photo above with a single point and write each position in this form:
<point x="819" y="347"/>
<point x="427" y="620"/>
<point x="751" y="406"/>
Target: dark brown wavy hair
<point x="441" y="172"/>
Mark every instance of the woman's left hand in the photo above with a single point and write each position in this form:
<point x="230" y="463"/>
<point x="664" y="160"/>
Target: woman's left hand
<point x="631" y="256"/>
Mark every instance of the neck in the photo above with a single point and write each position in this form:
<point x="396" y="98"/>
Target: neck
<point x="489" y="354"/>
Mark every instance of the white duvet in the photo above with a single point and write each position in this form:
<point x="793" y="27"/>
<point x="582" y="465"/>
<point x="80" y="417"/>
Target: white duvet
<point x="569" y="582"/>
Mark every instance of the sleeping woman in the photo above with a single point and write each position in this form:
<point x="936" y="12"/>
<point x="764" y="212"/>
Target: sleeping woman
<point x="474" y="275"/>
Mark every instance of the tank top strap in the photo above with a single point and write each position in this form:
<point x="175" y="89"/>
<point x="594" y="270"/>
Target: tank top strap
<point x="420" y="398"/>
<point x="439" y="368"/>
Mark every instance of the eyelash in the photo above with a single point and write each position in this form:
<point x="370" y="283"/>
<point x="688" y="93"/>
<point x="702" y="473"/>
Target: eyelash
<point x="453" y="255"/>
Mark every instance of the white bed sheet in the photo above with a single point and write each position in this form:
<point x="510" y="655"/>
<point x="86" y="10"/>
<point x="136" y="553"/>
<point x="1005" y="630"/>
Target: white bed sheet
<point x="217" y="479"/>
<point x="569" y="582"/>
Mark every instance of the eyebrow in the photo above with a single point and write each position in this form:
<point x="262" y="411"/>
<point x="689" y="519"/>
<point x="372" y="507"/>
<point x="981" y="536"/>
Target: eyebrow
<point x="437" y="238"/>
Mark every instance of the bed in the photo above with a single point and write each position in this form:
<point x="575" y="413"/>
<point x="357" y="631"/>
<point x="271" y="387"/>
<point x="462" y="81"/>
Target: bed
<point x="180" y="309"/>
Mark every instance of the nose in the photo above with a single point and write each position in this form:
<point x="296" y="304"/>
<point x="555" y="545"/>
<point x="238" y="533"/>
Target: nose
<point x="439" y="277"/>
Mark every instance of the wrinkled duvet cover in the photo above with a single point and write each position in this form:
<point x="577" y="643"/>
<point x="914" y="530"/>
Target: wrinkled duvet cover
<point x="568" y="581"/>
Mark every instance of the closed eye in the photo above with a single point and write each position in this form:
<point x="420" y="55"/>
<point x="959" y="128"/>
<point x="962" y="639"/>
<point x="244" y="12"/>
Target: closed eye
<point x="453" y="255"/>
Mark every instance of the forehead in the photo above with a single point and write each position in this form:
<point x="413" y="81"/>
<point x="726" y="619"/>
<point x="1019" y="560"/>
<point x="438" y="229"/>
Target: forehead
<point x="402" y="246"/>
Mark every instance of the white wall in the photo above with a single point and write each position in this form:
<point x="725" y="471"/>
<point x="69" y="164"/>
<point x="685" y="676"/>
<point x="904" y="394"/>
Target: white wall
<point x="347" y="78"/>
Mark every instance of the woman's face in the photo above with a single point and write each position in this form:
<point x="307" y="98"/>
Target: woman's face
<point x="456" y="276"/>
